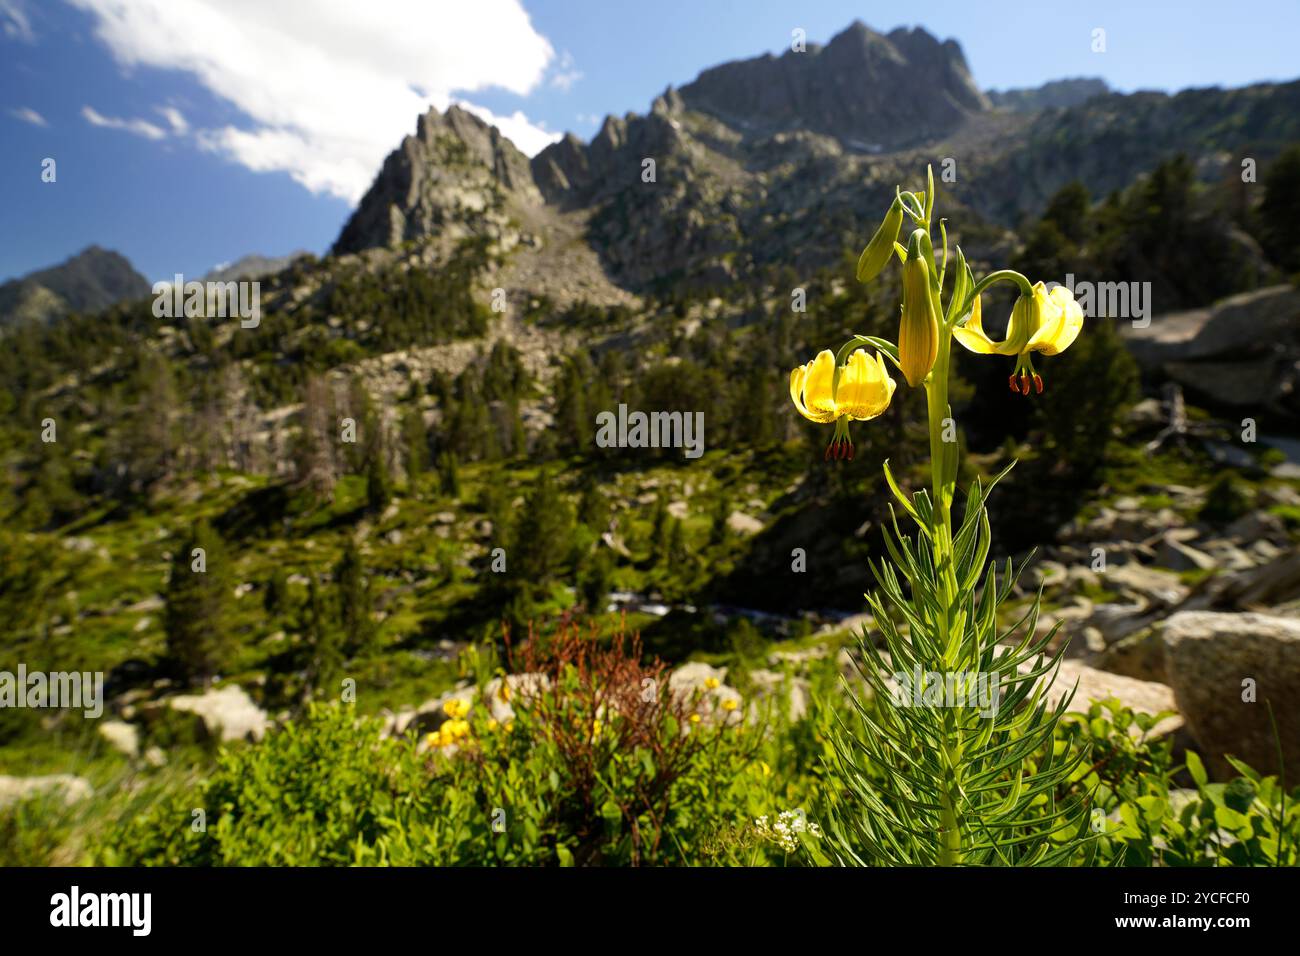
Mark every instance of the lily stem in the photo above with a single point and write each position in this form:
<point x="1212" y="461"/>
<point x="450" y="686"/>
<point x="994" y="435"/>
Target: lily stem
<point x="943" y="467"/>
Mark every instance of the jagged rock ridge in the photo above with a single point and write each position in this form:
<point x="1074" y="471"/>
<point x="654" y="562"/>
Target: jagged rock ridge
<point x="868" y="90"/>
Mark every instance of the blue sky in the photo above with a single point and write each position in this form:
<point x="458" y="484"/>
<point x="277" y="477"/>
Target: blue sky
<point x="190" y="132"/>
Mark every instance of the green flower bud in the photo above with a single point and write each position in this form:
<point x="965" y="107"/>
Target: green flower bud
<point x="876" y="256"/>
<point x="918" y="332"/>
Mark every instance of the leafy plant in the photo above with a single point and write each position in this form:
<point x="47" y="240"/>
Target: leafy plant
<point x="957" y="763"/>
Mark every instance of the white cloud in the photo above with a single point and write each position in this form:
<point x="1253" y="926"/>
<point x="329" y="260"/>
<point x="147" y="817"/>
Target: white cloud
<point x="175" y="118"/>
<point x="28" y="115"/>
<point x="566" y="73"/>
<point x="518" y="128"/>
<point x="15" y="21"/>
<point x="137" y="126"/>
<point x="330" y="86"/>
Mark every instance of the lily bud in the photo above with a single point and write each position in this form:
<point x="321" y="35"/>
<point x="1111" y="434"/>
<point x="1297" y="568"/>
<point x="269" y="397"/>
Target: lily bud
<point x="918" y="332"/>
<point x="876" y="256"/>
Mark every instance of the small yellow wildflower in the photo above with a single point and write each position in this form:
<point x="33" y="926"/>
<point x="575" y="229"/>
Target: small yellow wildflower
<point x="695" y="718"/>
<point x="730" y="704"/>
<point x="711" y="683"/>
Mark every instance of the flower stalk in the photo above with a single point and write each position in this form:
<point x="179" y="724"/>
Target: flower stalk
<point x="945" y="783"/>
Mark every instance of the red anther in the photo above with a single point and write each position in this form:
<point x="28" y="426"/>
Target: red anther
<point x="849" y="453"/>
<point x="829" y="450"/>
<point x="1038" y="383"/>
<point x="1011" y="380"/>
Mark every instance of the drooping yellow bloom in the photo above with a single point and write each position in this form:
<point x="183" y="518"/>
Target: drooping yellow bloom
<point x="863" y="392"/>
<point x="1044" y="322"/>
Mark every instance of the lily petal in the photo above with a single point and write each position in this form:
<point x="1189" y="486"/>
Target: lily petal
<point x="811" y="388"/>
<point x="865" y="387"/>
<point x="1066" y="329"/>
<point x="972" y="334"/>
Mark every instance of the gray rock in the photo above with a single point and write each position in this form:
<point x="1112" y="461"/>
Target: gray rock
<point x="123" y="737"/>
<point x="70" y="789"/>
<point x="226" y="713"/>
<point x="1209" y="655"/>
<point x="743" y="524"/>
<point x="1277" y="582"/>
<point x="689" y="683"/>
<point x="1240" y="352"/>
<point x="1228" y="557"/>
<point x="1140" y="656"/>
<point x="1159" y="588"/>
<point x="768" y="685"/>
<point x="1147" y="697"/>
<point x="502" y="694"/>
<point x="1257" y="526"/>
<point x="1176" y="555"/>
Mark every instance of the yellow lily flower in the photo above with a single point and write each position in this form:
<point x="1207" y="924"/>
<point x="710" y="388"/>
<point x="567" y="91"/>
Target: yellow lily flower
<point x="863" y="392"/>
<point x="1046" y="322"/>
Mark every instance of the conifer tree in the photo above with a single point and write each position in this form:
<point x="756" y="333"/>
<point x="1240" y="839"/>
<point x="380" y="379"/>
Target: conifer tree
<point x="449" y="474"/>
<point x="315" y="459"/>
<point x="543" y="535"/>
<point x="659" y="529"/>
<point x="417" y="446"/>
<point x="276" y="598"/>
<point x="721" y="512"/>
<point x="597" y="581"/>
<point x="199" y="641"/>
<point x="324" y="640"/>
<point x="355" y="602"/>
<point x="379" y="487"/>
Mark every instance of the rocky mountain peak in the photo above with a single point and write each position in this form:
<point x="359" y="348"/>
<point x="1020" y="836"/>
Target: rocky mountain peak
<point x="93" y="279"/>
<point x="865" y="88"/>
<point x="453" y="178"/>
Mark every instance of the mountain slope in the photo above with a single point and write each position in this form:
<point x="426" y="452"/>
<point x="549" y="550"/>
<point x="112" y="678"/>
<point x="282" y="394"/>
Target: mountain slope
<point x="93" y="279"/>
<point x="766" y="163"/>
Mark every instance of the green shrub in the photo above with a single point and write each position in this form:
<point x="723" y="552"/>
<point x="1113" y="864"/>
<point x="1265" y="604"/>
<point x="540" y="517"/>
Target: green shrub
<point x="32" y="831"/>
<point x="601" y="764"/>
